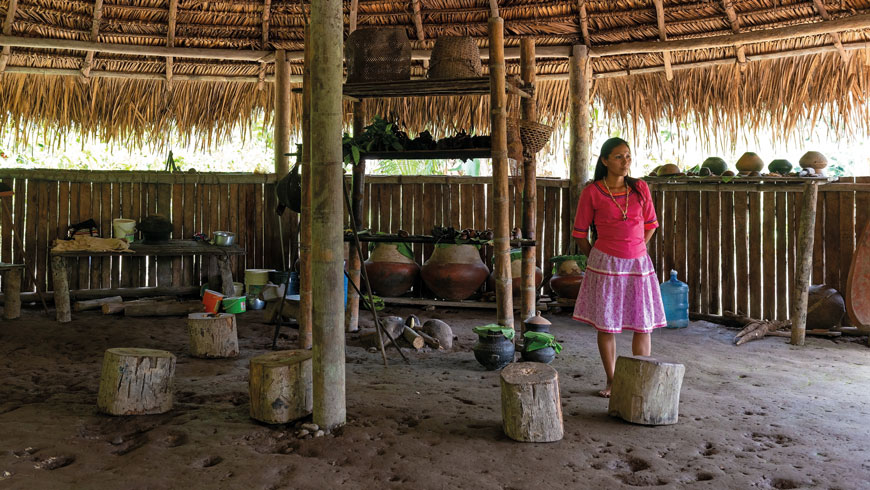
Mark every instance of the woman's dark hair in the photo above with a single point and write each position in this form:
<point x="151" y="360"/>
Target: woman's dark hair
<point x="601" y="172"/>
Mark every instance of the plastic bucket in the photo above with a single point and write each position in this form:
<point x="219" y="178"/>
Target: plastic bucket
<point x="235" y="304"/>
<point x="257" y="277"/>
<point x="212" y="300"/>
<point x="294" y="283"/>
<point x="238" y="289"/>
<point x="124" y="228"/>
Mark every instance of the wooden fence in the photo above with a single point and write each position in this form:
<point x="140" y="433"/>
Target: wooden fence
<point x="736" y="250"/>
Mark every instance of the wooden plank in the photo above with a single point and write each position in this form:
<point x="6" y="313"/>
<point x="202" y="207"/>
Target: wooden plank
<point x="396" y="205"/>
<point x="455" y="214"/>
<point x="85" y="214"/>
<point x="832" y="245"/>
<point x="117" y="212"/>
<point x="6" y="227"/>
<point x="729" y="302"/>
<point x="177" y="230"/>
<point x="251" y="227"/>
<point x="234" y="225"/>
<point x="818" y="276"/>
<point x="540" y="220"/>
<point x="795" y="202"/>
<point x="466" y="201"/>
<point x="755" y="265"/>
<point x="258" y="219"/>
<point x="418" y="223"/>
<point x="847" y="236"/>
<point x="96" y="202"/>
<point x="137" y="206"/>
<point x="565" y="222"/>
<point x="126" y="278"/>
<point x="42" y="225"/>
<point x="741" y="247"/>
<point x="105" y="223"/>
<point x="704" y="253"/>
<point x="516" y="193"/>
<point x="446" y="218"/>
<point x="552" y="219"/>
<point x="862" y="206"/>
<point x="164" y="208"/>
<point x="769" y="252"/>
<point x="659" y="237"/>
<point x="480" y="211"/>
<point x="678" y="227"/>
<point x="188" y="212"/>
<point x="714" y="259"/>
<point x="214" y="220"/>
<point x="668" y="232"/>
<point x="429" y="190"/>
<point x="31" y="213"/>
<point x="782" y="249"/>
<point x="52" y="226"/>
<point x="375" y="207"/>
<point x="18" y="219"/>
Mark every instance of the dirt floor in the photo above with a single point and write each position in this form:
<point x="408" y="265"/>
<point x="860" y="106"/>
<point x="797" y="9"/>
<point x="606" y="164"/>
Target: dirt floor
<point x="763" y="415"/>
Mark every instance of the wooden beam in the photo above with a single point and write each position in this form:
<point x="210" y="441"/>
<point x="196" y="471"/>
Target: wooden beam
<point x="663" y="36"/>
<point x="354" y="14"/>
<point x="835" y="36"/>
<point x="7" y="30"/>
<point x="584" y="24"/>
<point x="136" y="50"/>
<point x="282" y="114"/>
<point x="493" y="13"/>
<point x="261" y="74"/>
<point x="327" y="214"/>
<point x="95" y="32"/>
<point x="418" y="20"/>
<point x="579" y="138"/>
<point x="530" y="188"/>
<point x="855" y="22"/>
<point x="170" y="40"/>
<point x="734" y="21"/>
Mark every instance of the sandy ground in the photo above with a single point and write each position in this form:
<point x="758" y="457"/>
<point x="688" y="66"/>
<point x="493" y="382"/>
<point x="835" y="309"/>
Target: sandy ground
<point x="764" y="415"/>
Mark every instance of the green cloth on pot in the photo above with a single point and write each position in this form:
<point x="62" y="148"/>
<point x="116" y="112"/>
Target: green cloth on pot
<point x="402" y="247"/>
<point x="540" y="340"/>
<point x="493" y="328"/>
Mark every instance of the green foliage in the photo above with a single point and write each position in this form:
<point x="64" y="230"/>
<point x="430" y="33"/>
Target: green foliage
<point x="380" y="135"/>
<point x="508" y="332"/>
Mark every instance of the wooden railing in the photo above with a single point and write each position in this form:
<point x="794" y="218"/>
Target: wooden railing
<point x="736" y="250"/>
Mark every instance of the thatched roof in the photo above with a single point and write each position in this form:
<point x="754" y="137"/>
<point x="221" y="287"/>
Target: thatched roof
<point x="126" y="96"/>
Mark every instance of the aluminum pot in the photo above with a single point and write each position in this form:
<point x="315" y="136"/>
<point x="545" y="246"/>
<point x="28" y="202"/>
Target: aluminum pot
<point x="255" y="303"/>
<point x="223" y="238"/>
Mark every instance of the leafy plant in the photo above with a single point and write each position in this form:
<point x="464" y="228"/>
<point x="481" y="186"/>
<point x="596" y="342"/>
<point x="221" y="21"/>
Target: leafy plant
<point x="380" y="135"/>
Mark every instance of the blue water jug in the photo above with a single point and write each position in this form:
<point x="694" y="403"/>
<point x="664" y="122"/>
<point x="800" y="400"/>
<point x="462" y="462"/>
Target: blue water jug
<point x="675" y="296"/>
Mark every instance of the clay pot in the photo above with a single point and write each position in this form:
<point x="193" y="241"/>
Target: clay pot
<point x="493" y="351"/>
<point x="454" y="272"/>
<point x="813" y="160"/>
<point x="516" y="274"/>
<point x="546" y="355"/>
<point x="830" y="313"/>
<point x="567" y="277"/>
<point x="390" y="272"/>
<point x="749" y="162"/>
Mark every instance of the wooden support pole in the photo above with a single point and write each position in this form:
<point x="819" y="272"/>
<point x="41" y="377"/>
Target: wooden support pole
<point x="353" y="260"/>
<point x="170" y="40"/>
<point x="7" y="30"/>
<point x="666" y="55"/>
<point x="282" y="114"/>
<point x="578" y="131"/>
<point x="530" y="192"/>
<point x="95" y="32"/>
<point x="305" y="311"/>
<point x="584" y="23"/>
<point x="728" y="5"/>
<point x="806" y="236"/>
<point x="501" y="214"/>
<point x="326" y="62"/>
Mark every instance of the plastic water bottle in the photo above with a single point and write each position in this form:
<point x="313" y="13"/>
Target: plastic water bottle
<point x="675" y="296"/>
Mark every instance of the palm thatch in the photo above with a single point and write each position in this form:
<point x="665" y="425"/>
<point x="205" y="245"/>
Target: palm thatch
<point x="127" y="98"/>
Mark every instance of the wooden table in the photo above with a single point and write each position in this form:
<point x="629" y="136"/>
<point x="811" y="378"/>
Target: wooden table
<point x="172" y="248"/>
<point x="12" y="289"/>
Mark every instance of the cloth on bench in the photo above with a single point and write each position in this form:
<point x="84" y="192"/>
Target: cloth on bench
<point x="92" y="244"/>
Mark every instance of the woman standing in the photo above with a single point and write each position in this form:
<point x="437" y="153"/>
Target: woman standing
<point x="620" y="290"/>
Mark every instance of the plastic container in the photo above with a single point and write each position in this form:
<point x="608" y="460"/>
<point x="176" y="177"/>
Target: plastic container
<point x="675" y="296"/>
<point x="235" y="304"/>
<point x="124" y="228"/>
<point x="238" y="289"/>
<point x="257" y="277"/>
<point x="212" y="300"/>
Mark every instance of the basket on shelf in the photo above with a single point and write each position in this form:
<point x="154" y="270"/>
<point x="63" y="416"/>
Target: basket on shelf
<point x="455" y="57"/>
<point x="533" y="135"/>
<point x="378" y="55"/>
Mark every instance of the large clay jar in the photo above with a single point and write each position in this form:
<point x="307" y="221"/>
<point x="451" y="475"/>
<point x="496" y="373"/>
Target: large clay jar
<point x="493" y="350"/>
<point x="391" y="272"/>
<point x="516" y="274"/>
<point x="454" y="271"/>
<point x="749" y="162"/>
<point x="567" y="276"/>
<point x="815" y="161"/>
<point x="546" y="355"/>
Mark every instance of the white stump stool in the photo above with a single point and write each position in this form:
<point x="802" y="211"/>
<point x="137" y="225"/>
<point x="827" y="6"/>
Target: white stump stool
<point x="646" y="390"/>
<point x="531" y="407"/>
<point x="136" y="381"/>
<point x="280" y="386"/>
<point x="213" y="335"/>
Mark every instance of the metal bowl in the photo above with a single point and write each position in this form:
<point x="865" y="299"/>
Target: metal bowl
<point x="255" y="303"/>
<point x="223" y="238"/>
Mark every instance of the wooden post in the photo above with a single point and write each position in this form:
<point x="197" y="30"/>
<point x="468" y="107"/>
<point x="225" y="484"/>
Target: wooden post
<point x="578" y="132"/>
<point x="646" y="390"/>
<point x="806" y="236"/>
<point x="353" y="261"/>
<point x="327" y="176"/>
<point x="212" y="335"/>
<point x="501" y="215"/>
<point x="136" y="381"/>
<point x="162" y="308"/>
<point x="12" y="288"/>
<point x="530" y="190"/>
<point x="282" y="113"/>
<point x="61" y="289"/>
<point x="280" y="386"/>
<point x="531" y="407"/>
<point x="305" y="310"/>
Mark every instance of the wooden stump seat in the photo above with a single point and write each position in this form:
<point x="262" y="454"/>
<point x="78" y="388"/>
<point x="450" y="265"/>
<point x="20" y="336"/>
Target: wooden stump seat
<point x="136" y="381"/>
<point x="280" y="386"/>
<point x="646" y="390"/>
<point x="213" y="335"/>
<point x="11" y="290"/>
<point x="531" y="407"/>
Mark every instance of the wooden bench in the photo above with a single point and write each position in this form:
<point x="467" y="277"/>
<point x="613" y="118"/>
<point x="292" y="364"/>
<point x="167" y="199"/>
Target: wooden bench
<point x="172" y="248"/>
<point x="12" y="289"/>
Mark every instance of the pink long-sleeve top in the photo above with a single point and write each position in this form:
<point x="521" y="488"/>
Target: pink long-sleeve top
<point x="617" y="237"/>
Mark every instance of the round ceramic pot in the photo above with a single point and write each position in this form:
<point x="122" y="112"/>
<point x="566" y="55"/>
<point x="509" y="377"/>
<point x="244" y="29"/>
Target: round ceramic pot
<point x="493" y="351"/>
<point x="516" y="274"/>
<point x="454" y="272"/>
<point x="390" y="272"/>
<point x="567" y="278"/>
<point x="545" y="355"/>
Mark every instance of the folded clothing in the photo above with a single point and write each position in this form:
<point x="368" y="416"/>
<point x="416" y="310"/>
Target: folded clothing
<point x="91" y="244"/>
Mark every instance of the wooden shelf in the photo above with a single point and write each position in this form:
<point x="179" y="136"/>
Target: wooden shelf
<point x="761" y="179"/>
<point x="423" y="239"/>
<point x="422" y="88"/>
<point x="411" y="301"/>
<point x="458" y="154"/>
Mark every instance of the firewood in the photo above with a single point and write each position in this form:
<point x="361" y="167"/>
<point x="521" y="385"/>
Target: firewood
<point x="117" y="308"/>
<point x="95" y="304"/>
<point x="413" y="338"/>
<point x="163" y="308"/>
<point x="430" y="341"/>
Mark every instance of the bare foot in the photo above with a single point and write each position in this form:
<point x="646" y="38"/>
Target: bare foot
<point x="605" y="393"/>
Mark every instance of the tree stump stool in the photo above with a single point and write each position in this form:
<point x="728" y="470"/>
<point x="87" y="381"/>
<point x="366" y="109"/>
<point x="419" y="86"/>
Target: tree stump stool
<point x="11" y="289"/>
<point x="280" y="386"/>
<point x="213" y="335"/>
<point x="136" y="381"/>
<point x="646" y="390"/>
<point x="531" y="407"/>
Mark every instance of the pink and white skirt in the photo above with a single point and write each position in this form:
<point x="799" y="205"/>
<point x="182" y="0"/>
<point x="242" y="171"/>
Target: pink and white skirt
<point x="619" y="294"/>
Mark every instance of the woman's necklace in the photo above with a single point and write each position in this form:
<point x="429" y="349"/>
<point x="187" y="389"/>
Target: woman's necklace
<point x="623" y="211"/>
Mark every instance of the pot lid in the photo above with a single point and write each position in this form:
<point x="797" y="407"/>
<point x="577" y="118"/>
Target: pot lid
<point x="537" y="320"/>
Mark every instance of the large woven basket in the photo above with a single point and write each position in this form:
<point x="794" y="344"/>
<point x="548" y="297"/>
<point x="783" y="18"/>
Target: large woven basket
<point x="378" y="55"/>
<point x="533" y="135"/>
<point x="455" y="57"/>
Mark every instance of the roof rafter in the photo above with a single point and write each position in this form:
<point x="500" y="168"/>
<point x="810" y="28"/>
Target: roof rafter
<point x="170" y="40"/>
<point x="835" y="36"/>
<point x="663" y="36"/>
<point x="7" y="29"/>
<point x="267" y="13"/>
<point x="95" y="33"/>
<point x="584" y="22"/>
<point x="354" y="14"/>
<point x="728" y="5"/>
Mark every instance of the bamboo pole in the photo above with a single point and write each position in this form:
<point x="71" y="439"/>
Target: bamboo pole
<point x="327" y="30"/>
<point x="354" y="262"/>
<point x="666" y="55"/>
<point x="530" y="193"/>
<point x="170" y="40"/>
<point x="806" y="236"/>
<point x="95" y="32"/>
<point x="305" y="299"/>
<point x="264" y="41"/>
<point x="501" y="215"/>
<point x="282" y="114"/>
<point x="734" y="21"/>
<point x="578" y="131"/>
<point x="584" y="23"/>
<point x="7" y="29"/>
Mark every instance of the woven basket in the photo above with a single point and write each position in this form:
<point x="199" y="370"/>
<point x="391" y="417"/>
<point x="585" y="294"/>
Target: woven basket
<point x="378" y="55"/>
<point x="455" y="57"/>
<point x="533" y="135"/>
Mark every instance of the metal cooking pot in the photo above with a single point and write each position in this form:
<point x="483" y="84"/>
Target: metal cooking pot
<point x="223" y="238"/>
